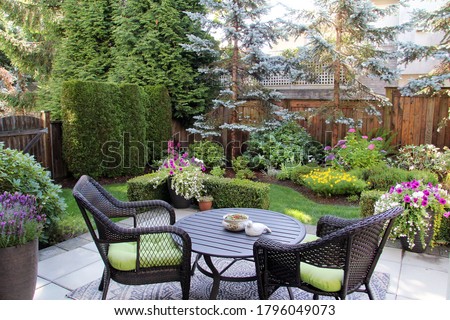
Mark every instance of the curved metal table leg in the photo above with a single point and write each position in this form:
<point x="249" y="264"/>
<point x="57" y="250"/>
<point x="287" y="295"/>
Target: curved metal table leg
<point x="216" y="275"/>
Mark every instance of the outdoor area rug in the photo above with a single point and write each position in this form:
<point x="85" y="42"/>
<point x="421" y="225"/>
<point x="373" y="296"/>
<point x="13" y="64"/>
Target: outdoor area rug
<point x="201" y="288"/>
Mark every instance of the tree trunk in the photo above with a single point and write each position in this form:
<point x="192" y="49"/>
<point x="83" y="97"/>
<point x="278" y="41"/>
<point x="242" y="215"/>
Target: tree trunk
<point x="234" y="88"/>
<point x="337" y="80"/>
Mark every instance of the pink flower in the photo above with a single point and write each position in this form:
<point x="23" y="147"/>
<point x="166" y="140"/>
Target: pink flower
<point x="407" y="199"/>
<point x="442" y="201"/>
<point x="344" y="146"/>
<point x="364" y="137"/>
<point x="447" y="214"/>
<point x="171" y="172"/>
<point x="351" y="130"/>
<point x="371" y="146"/>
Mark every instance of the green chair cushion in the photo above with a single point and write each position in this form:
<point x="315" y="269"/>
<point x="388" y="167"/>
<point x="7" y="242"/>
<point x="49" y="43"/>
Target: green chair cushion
<point x="157" y="250"/>
<point x="329" y="280"/>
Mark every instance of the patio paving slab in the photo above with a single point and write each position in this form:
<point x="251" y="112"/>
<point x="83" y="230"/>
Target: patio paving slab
<point x="60" y="265"/>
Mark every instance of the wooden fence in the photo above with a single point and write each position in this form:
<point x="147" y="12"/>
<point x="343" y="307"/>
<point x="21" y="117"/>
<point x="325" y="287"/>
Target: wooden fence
<point x="37" y="135"/>
<point x="414" y="120"/>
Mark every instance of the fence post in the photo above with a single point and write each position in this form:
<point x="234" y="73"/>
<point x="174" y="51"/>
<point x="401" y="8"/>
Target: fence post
<point x="46" y="140"/>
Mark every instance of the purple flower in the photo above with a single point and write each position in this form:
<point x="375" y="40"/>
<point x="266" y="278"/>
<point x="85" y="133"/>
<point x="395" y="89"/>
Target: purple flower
<point x="330" y="157"/>
<point x="407" y="199"/>
<point x="424" y="202"/>
<point x="171" y="172"/>
<point x="442" y="201"/>
<point x="399" y="190"/>
<point x="426" y="192"/>
<point x="327" y="148"/>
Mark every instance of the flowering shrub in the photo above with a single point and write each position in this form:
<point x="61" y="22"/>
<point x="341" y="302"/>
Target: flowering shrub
<point x="418" y="200"/>
<point x="20" y="221"/>
<point x="424" y="157"/>
<point x="355" y="151"/>
<point x="333" y="182"/>
<point x="186" y="174"/>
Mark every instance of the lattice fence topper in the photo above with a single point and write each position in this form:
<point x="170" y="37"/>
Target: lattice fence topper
<point x="323" y="78"/>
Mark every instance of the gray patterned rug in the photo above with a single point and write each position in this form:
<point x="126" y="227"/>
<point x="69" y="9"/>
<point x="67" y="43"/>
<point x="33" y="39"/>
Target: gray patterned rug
<point x="201" y="288"/>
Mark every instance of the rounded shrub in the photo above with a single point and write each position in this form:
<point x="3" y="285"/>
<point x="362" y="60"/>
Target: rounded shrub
<point x="20" y="172"/>
<point x="289" y="143"/>
<point x="211" y="153"/>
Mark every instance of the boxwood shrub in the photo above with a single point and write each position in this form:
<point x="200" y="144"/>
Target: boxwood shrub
<point x="141" y="188"/>
<point x="237" y="193"/>
<point x="367" y="201"/>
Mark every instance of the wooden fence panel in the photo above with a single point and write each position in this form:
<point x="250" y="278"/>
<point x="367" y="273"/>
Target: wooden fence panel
<point x="30" y="134"/>
<point x="413" y="120"/>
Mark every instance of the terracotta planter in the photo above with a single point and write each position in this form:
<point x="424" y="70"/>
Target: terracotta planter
<point x="18" y="271"/>
<point x="204" y="205"/>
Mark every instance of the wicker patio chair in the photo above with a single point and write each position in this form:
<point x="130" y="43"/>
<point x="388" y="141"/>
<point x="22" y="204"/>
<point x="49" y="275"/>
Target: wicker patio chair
<point x="339" y="261"/>
<point x="151" y="250"/>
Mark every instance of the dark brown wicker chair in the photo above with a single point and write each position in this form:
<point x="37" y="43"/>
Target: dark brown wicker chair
<point x="150" y="251"/>
<point x="345" y="254"/>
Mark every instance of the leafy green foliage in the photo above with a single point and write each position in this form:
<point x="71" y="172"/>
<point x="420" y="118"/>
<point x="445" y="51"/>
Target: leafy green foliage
<point x="356" y="151"/>
<point x="383" y="177"/>
<point x="217" y="172"/>
<point x="287" y="144"/>
<point x="237" y="193"/>
<point x="211" y="153"/>
<point x="20" y="172"/>
<point x="241" y="169"/>
<point x="424" y="157"/>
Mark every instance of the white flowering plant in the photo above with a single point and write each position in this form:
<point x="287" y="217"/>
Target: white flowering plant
<point x="419" y="201"/>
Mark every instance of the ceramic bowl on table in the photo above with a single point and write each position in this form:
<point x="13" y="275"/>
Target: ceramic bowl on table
<point x="235" y="221"/>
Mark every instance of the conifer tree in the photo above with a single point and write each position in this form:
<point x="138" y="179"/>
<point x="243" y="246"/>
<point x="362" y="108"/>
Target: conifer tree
<point x="241" y="64"/>
<point x="433" y="82"/>
<point x="28" y="32"/>
<point x="344" y="40"/>
<point x="148" y="36"/>
<point x="84" y="53"/>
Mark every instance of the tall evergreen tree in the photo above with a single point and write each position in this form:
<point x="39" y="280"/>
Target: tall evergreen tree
<point x="241" y="63"/>
<point x="28" y="32"/>
<point x="433" y="82"/>
<point x="343" y="38"/>
<point x="84" y="52"/>
<point x="147" y="51"/>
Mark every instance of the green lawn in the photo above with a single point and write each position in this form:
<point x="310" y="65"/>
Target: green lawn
<point x="294" y="204"/>
<point x="282" y="199"/>
<point x="72" y="222"/>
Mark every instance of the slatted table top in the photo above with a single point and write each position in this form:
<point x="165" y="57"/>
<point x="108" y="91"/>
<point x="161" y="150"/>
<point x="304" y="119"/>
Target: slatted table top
<point x="210" y="238"/>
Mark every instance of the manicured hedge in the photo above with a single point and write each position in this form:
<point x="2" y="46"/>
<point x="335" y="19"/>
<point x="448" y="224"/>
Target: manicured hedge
<point x="107" y="126"/>
<point x="140" y="188"/>
<point x="237" y="193"/>
<point x="159" y="120"/>
<point x="227" y="193"/>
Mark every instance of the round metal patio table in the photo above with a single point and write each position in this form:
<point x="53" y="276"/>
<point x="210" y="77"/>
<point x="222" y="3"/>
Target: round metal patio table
<point x="210" y="239"/>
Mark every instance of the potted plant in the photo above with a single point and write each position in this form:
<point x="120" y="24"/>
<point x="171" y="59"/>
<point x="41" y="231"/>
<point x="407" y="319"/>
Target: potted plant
<point x="205" y="202"/>
<point x="425" y="205"/>
<point x="20" y="227"/>
<point x="184" y="176"/>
